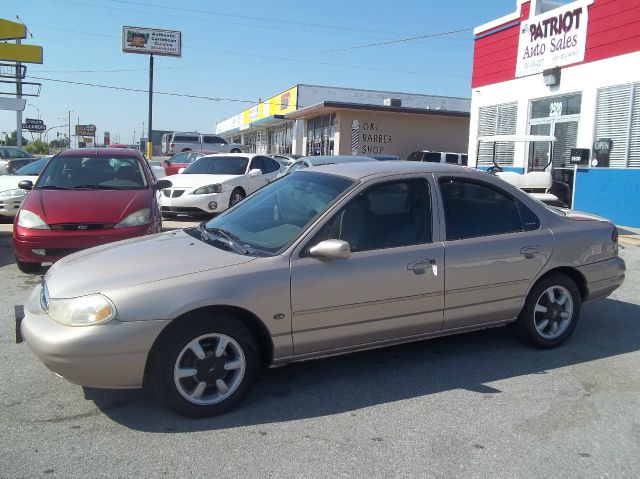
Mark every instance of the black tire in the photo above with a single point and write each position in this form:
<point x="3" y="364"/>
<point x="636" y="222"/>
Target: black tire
<point x="531" y="324"/>
<point x="28" y="267"/>
<point x="171" y="352"/>
<point x="235" y="150"/>
<point x="236" y="197"/>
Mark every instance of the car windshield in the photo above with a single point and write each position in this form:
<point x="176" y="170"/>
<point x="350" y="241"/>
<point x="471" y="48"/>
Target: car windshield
<point x="34" y="168"/>
<point x="219" y="165"/>
<point x="272" y="218"/>
<point x="92" y="172"/>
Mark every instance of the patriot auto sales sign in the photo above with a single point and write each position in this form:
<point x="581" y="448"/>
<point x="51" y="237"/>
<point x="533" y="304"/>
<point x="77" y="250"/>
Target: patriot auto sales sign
<point x="552" y="39"/>
<point x="151" y="41"/>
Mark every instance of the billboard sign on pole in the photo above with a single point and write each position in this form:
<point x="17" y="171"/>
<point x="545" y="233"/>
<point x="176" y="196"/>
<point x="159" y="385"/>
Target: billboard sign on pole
<point x="151" y="41"/>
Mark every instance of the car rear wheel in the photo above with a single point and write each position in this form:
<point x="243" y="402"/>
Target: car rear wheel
<point x="28" y="267"/>
<point x="551" y="311"/>
<point x="237" y="196"/>
<point x="206" y="368"/>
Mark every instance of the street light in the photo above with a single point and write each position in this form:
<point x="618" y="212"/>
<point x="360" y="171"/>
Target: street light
<point x="52" y="128"/>
<point x="36" y="108"/>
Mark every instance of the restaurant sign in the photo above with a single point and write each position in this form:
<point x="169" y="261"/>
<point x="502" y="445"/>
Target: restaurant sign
<point x="151" y="41"/>
<point x="552" y="39"/>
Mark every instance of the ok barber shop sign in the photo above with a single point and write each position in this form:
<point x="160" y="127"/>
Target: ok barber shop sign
<point x="553" y="39"/>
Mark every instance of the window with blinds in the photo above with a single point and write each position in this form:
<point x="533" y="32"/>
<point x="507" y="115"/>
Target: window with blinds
<point x="497" y="120"/>
<point x="618" y="118"/>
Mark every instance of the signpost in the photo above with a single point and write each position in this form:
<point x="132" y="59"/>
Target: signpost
<point x="33" y="125"/>
<point x="151" y="41"/>
<point x="16" y="52"/>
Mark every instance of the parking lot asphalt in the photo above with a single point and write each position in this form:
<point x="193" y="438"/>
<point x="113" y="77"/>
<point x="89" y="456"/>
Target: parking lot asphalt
<point x="474" y="405"/>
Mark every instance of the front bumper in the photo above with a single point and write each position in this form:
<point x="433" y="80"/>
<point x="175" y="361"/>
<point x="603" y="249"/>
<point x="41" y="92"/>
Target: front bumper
<point x="194" y="204"/>
<point x="59" y="243"/>
<point x="110" y="355"/>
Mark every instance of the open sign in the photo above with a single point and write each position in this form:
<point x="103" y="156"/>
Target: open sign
<point x="602" y="146"/>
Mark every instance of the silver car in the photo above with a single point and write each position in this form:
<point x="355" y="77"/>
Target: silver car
<point x="324" y="261"/>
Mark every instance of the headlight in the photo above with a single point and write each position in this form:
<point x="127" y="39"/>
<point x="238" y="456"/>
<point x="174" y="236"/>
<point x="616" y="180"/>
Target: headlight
<point x="28" y="219"/>
<point x="83" y="311"/>
<point x="207" y="190"/>
<point x="9" y="193"/>
<point x="140" y="217"/>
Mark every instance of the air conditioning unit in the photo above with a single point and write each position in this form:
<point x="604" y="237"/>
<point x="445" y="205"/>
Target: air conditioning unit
<point x="397" y="102"/>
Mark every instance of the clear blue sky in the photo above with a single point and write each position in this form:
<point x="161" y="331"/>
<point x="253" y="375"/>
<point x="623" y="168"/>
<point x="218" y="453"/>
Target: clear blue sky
<point x="239" y="50"/>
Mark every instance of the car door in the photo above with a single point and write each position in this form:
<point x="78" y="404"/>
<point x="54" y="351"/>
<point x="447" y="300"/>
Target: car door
<point x="254" y="182"/>
<point x="270" y="169"/>
<point x="494" y="247"/>
<point x="390" y="287"/>
<point x="178" y="161"/>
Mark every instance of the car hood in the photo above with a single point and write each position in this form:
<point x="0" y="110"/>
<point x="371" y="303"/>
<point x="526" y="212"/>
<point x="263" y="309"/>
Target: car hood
<point x="10" y="182"/>
<point x="86" y="206"/>
<point x="191" y="181"/>
<point x="135" y="261"/>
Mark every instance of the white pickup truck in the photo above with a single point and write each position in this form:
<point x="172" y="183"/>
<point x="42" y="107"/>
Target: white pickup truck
<point x="185" y="141"/>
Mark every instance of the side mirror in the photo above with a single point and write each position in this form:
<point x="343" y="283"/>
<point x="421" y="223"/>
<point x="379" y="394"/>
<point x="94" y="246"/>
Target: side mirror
<point x="26" y="185"/>
<point x="255" y="172"/>
<point x="332" y="249"/>
<point x="161" y="184"/>
<point x="181" y="170"/>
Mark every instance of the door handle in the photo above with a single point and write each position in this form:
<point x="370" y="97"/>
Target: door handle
<point x="420" y="266"/>
<point x="530" y="251"/>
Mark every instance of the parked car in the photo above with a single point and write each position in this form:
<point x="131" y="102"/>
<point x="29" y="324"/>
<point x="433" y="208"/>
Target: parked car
<point x="85" y="198"/>
<point x="285" y="159"/>
<point x="13" y="158"/>
<point x="11" y="195"/>
<point x="173" y="165"/>
<point x="324" y="261"/>
<point x="216" y="182"/>
<point x="157" y="168"/>
<point x="439" y="157"/>
<point x="166" y="142"/>
<point x="182" y="141"/>
<point x="309" y="161"/>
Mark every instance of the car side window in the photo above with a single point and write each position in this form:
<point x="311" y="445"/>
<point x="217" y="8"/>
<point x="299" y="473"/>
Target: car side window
<point x="269" y="165"/>
<point x="256" y="163"/>
<point x="530" y="220"/>
<point x="451" y="158"/>
<point x="474" y="209"/>
<point x="431" y="157"/>
<point x="387" y="215"/>
<point x="464" y="159"/>
<point x="213" y="139"/>
<point x="179" y="158"/>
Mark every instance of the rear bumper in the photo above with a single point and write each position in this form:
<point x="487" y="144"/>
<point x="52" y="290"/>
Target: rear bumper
<point x="110" y="355"/>
<point x="603" y="277"/>
<point x="59" y="243"/>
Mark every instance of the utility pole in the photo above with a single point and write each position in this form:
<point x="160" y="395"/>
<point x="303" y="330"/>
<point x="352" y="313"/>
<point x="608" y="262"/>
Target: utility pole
<point x="18" y="95"/>
<point x="69" y="128"/>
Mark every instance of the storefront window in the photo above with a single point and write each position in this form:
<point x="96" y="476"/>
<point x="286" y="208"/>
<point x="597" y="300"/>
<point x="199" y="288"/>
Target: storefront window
<point x="497" y="120"/>
<point x="556" y="106"/>
<point x="320" y="135"/>
<point x="618" y="119"/>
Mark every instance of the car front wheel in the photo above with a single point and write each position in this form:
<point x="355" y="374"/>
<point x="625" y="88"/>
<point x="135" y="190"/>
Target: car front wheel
<point x="237" y="196"/>
<point x="206" y="368"/>
<point x="551" y="311"/>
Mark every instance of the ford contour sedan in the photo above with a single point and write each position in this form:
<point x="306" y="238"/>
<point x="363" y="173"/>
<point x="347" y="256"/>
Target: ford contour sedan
<point x="85" y="198"/>
<point x="324" y="261"/>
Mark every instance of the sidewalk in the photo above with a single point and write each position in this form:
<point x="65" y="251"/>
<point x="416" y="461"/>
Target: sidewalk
<point x="629" y="235"/>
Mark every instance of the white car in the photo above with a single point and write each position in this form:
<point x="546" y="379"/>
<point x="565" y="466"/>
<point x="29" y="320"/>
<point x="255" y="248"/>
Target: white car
<point x="11" y="195"/>
<point x="214" y="183"/>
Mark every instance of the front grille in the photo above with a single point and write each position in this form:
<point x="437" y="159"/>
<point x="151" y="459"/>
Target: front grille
<point x="181" y="209"/>
<point x="172" y="193"/>
<point x="82" y="226"/>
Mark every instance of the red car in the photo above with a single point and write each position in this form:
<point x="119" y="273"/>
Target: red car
<point x="182" y="160"/>
<point x="84" y="198"/>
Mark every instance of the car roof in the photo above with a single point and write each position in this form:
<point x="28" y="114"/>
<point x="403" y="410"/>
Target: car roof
<point x="100" y="152"/>
<point x="360" y="170"/>
<point x="330" y="159"/>
<point x="236" y="155"/>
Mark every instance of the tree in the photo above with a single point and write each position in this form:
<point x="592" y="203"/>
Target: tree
<point x="59" y="143"/>
<point x="12" y="140"/>
<point x="37" y="147"/>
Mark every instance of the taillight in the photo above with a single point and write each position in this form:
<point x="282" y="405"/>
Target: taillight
<point x="614" y="235"/>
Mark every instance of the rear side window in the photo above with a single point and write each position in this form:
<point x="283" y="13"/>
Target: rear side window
<point x="451" y="158"/>
<point x="185" y="139"/>
<point x="530" y="220"/>
<point x="213" y="139"/>
<point x="464" y="160"/>
<point x="431" y="157"/>
<point x="269" y="165"/>
<point x="474" y="209"/>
